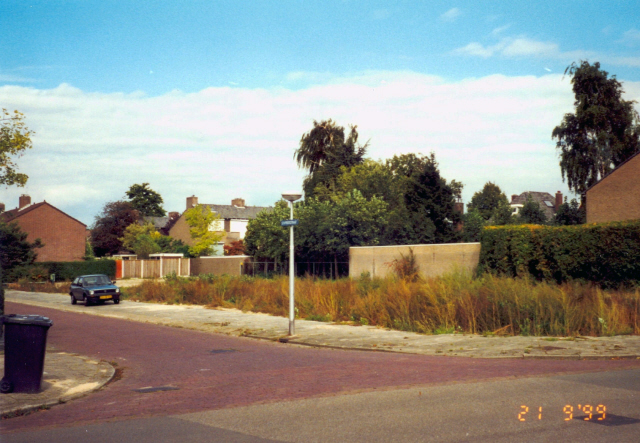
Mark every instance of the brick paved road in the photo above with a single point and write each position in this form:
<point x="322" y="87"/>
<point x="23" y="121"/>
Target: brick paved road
<point x="256" y="371"/>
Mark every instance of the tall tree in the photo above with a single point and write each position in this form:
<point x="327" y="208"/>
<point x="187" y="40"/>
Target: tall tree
<point x="473" y="224"/>
<point x="141" y="239"/>
<point x="265" y="239"/>
<point x="15" y="249"/>
<point x="15" y="138"/>
<point x="109" y="227"/>
<point x="570" y="214"/>
<point x="202" y="223"/>
<point x="146" y="201"/>
<point x="429" y="200"/>
<point x="602" y="133"/>
<point x="532" y="213"/>
<point x="324" y="150"/>
<point x="487" y="201"/>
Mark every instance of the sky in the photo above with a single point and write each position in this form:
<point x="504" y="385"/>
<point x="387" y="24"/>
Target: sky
<point x="211" y="98"/>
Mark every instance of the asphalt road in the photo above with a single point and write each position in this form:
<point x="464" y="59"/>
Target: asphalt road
<point x="220" y="388"/>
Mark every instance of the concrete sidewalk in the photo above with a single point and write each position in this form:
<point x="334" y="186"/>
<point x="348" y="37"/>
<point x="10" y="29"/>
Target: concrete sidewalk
<point x="66" y="376"/>
<point x="80" y="373"/>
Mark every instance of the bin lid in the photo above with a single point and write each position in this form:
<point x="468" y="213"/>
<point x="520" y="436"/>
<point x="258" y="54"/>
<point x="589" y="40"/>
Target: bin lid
<point x="37" y="320"/>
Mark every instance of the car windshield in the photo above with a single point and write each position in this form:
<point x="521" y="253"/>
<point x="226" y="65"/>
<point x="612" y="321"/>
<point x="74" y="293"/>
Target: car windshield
<point x="97" y="280"/>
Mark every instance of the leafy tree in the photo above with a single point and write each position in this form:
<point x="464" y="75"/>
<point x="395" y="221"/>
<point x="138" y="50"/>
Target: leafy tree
<point x="202" y="220"/>
<point x="234" y="248"/>
<point x="109" y="227"/>
<point x="531" y="213"/>
<point x="487" y="201"/>
<point x="502" y="215"/>
<point x="328" y="228"/>
<point x="473" y="224"/>
<point x="88" y="250"/>
<point x="15" y="138"/>
<point x="15" y="250"/>
<point x="324" y="150"/>
<point x="169" y="244"/>
<point x="141" y="239"/>
<point x="570" y="214"/>
<point x="602" y="133"/>
<point x="430" y="215"/>
<point x="265" y="239"/>
<point x="146" y="201"/>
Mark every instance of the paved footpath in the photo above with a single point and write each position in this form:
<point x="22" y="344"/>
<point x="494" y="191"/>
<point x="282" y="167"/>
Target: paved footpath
<point x="268" y="370"/>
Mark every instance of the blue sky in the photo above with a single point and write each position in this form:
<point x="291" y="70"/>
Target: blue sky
<point x="211" y="98"/>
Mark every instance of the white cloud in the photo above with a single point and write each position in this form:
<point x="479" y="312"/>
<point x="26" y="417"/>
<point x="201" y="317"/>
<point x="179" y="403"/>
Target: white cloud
<point x="451" y="15"/>
<point x="499" y="30"/>
<point x="526" y="47"/>
<point x="221" y="143"/>
<point x="631" y="37"/>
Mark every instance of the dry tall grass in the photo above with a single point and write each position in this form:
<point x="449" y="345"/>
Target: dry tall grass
<point x="453" y="303"/>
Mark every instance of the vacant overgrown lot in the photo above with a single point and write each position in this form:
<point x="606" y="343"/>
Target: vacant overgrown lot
<point x="453" y="303"/>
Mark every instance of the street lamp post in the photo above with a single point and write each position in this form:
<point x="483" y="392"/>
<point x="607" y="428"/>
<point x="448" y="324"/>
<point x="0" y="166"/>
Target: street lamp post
<point x="291" y="197"/>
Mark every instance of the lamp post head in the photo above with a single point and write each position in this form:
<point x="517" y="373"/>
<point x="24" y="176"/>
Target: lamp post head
<point x="292" y="196"/>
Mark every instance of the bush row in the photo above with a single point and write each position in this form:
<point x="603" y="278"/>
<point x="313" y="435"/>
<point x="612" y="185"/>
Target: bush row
<point x="604" y="254"/>
<point x="64" y="271"/>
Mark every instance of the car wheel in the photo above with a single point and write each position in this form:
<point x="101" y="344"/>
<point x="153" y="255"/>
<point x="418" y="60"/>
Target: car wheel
<point x="73" y="300"/>
<point x="87" y="301"/>
<point x="116" y="301"/>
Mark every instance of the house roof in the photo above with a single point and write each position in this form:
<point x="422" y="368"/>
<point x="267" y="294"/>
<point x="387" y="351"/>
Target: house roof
<point x="544" y="199"/>
<point x="157" y="222"/>
<point x="231" y="212"/>
<point x="9" y="216"/>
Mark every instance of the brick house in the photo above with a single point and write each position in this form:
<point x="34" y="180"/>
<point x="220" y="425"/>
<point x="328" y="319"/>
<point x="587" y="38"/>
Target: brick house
<point x="616" y="197"/>
<point x="233" y="220"/>
<point x="63" y="236"/>
<point x="548" y="203"/>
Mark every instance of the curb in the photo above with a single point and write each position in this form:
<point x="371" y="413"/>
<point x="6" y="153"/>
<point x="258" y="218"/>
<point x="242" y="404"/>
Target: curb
<point x="48" y="404"/>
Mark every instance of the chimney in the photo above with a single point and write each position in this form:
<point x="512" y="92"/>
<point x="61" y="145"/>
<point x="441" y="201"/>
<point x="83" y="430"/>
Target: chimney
<point x="513" y="197"/>
<point x="192" y="202"/>
<point x="24" y="200"/>
<point x="1" y="207"/>
<point x="238" y="202"/>
<point x="459" y="207"/>
<point x="558" y="200"/>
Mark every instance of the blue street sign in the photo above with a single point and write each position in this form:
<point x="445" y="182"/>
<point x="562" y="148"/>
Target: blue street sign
<point x="293" y="222"/>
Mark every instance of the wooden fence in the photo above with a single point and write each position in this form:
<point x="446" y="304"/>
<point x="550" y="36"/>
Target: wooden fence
<point x="153" y="268"/>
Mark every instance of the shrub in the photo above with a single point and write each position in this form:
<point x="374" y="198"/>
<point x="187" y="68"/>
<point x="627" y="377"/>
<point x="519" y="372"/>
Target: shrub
<point x="604" y="254"/>
<point x="64" y="271"/>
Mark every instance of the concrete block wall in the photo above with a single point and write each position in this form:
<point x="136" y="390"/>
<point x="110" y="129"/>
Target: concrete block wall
<point x="230" y="265"/>
<point x="432" y="260"/>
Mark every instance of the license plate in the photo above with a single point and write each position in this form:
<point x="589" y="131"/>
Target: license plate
<point x="105" y="297"/>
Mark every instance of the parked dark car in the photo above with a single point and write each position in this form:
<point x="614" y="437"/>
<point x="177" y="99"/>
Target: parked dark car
<point x="94" y="289"/>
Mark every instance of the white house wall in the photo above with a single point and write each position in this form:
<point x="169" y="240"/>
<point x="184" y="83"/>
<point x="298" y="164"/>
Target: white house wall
<point x="239" y="226"/>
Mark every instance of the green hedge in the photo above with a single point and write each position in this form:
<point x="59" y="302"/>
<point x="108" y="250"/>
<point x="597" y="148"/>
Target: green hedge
<point x="64" y="271"/>
<point x="607" y="254"/>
